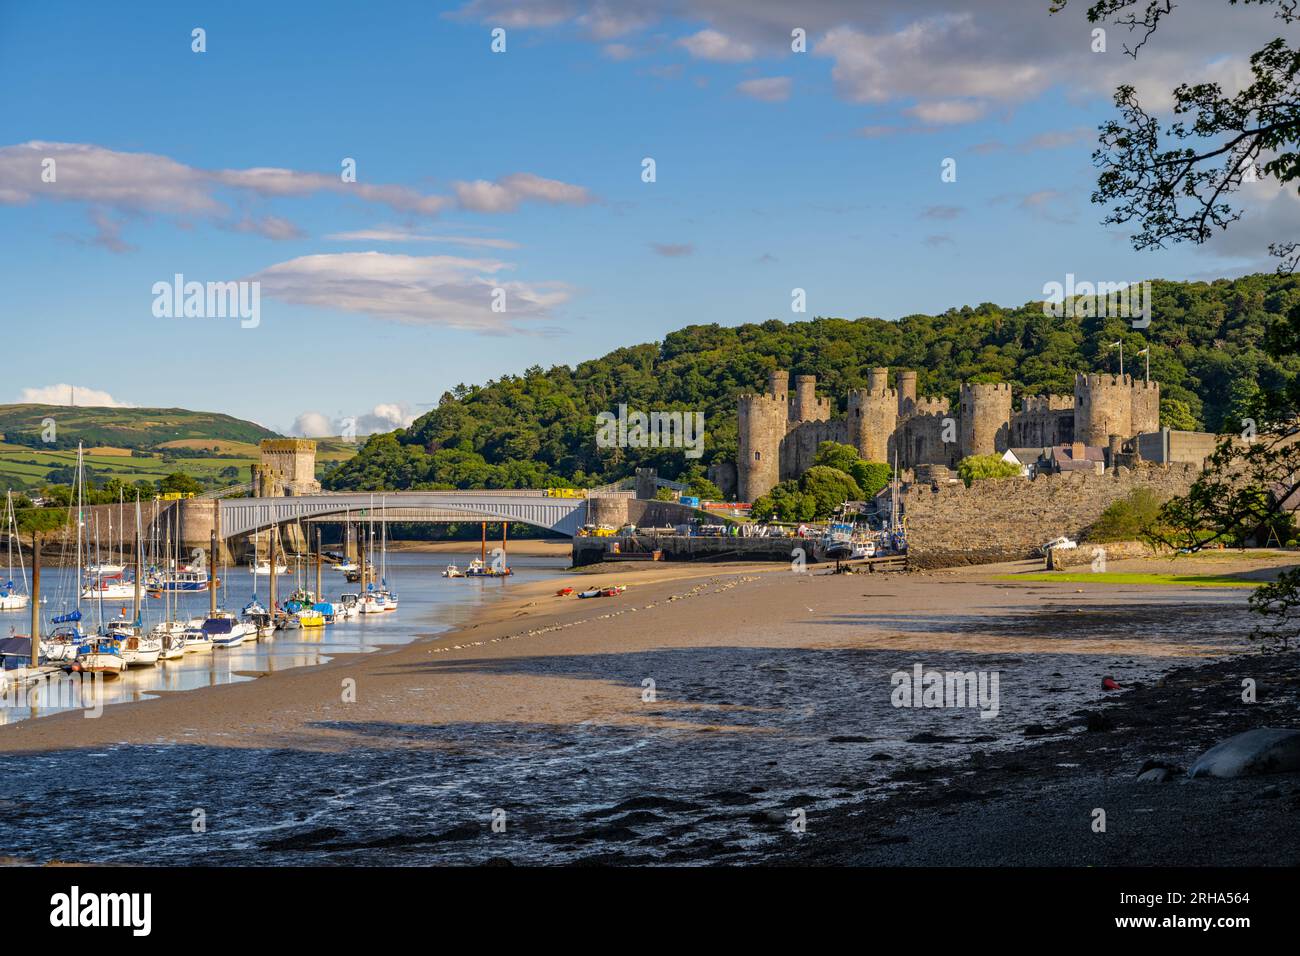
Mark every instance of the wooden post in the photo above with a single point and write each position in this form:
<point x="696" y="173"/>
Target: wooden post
<point x="36" y="598"/>
<point x="318" y="562"/>
<point x="482" y="555"/>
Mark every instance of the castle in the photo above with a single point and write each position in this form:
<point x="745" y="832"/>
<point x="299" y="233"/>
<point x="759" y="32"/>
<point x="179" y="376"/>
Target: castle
<point x="779" y="432"/>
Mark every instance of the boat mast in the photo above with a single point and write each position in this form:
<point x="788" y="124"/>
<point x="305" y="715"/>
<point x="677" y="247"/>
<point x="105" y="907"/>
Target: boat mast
<point x="80" y="523"/>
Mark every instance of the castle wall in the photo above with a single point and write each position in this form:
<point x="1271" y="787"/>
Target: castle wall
<point x="805" y="406"/>
<point x="950" y="526"/>
<point x="1043" y="420"/>
<point x="799" y="449"/>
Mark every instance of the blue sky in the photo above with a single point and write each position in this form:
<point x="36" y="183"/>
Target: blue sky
<point x="522" y="170"/>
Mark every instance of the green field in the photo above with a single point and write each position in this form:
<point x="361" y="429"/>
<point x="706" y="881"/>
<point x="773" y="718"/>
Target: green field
<point x="165" y="441"/>
<point x="1120" y="577"/>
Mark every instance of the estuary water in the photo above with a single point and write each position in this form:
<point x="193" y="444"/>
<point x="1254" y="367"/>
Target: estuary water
<point x="428" y="604"/>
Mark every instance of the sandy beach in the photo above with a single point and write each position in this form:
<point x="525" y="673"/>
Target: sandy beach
<point x="713" y="699"/>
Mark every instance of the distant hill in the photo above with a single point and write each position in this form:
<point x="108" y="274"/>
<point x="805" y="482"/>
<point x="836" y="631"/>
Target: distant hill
<point x="141" y="429"/>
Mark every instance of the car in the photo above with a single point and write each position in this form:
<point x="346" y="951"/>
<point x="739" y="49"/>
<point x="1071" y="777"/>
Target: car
<point x="1064" y="543"/>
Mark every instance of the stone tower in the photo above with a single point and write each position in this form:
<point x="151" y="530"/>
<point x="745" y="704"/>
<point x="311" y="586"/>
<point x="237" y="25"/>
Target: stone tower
<point x="761" y="426"/>
<point x="1146" y="408"/>
<point x="1103" y="406"/>
<point x="287" y="466"/>
<point x="873" y="417"/>
<point x="805" y="406"/>
<point x="985" y="418"/>
<point x="906" y="393"/>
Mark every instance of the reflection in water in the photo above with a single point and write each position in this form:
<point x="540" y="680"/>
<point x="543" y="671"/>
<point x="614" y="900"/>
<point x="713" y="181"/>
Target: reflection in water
<point x="430" y="604"/>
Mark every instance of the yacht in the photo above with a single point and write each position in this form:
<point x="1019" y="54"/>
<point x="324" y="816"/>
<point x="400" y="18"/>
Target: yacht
<point x="100" y="655"/>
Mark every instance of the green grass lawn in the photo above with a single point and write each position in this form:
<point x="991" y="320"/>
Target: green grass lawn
<point x="1120" y="577"/>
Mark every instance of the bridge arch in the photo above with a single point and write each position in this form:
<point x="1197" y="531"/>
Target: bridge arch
<point x="565" y="516"/>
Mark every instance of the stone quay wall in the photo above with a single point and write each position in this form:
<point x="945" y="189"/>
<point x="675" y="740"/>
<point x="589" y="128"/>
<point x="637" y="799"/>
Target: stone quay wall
<point x="1008" y="519"/>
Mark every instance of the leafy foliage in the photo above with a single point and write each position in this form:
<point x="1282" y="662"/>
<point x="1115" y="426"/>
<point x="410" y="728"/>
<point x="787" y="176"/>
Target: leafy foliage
<point x="815" y="495"/>
<point x="979" y="467"/>
<point x="871" y="476"/>
<point x="1131" y="518"/>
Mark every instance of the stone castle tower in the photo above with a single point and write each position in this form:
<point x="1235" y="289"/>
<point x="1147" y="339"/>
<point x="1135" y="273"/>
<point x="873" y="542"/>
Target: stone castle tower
<point x="779" y="432"/>
<point x="985" y="418"/>
<point x="1106" y="405"/>
<point x="287" y="466"/>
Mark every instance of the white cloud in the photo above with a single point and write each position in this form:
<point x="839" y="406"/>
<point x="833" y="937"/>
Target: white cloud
<point x="312" y="425"/>
<point x="445" y="291"/>
<point x="769" y="89"/>
<point x="716" y="46"/>
<point x="139" y="184"/>
<point x="942" y="112"/>
<point x="65" y="394"/>
<point x="404" y="234"/>
<point x="384" y="417"/>
<point x="506" y="194"/>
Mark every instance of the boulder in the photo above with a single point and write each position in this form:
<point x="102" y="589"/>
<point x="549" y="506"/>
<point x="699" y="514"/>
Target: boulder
<point x="1264" y="750"/>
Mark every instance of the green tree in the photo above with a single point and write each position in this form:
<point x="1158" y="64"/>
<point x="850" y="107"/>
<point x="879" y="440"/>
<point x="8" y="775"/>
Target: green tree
<point x="1131" y="518"/>
<point x="978" y="467"/>
<point x="179" y="482"/>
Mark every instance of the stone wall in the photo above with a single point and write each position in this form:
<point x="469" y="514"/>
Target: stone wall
<point x="1009" y="519"/>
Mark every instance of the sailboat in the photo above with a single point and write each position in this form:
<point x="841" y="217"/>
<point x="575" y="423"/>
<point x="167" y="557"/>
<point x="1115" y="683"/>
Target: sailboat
<point x="11" y="597"/>
<point x="63" y="641"/>
<point x="388" y="594"/>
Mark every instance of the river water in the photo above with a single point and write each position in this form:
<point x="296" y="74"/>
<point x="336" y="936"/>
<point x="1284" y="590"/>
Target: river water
<point x="429" y="604"/>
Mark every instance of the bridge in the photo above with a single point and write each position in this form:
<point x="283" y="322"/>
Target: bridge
<point x="565" y="516"/>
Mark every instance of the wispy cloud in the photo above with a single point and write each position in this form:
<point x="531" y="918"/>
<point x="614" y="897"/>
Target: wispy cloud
<point x="405" y="234"/>
<point x="769" y="89"/>
<point x="119" y="185"/>
<point x="673" y="250"/>
<point x="447" y="291"/>
<point x="716" y="46"/>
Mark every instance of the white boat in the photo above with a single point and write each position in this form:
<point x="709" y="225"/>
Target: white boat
<point x="372" y="602"/>
<point x="11" y="600"/>
<point x="60" y="646"/>
<point x="172" y="636"/>
<point x="104" y="570"/>
<point x="264" y="567"/>
<point x="105" y="589"/>
<point x="100" y="655"/>
<point x="346" y="566"/>
<point x="346" y="606"/>
<point x="453" y="572"/>
<point x="138" y="650"/>
<point x="223" y="632"/>
<point x="196" y="638"/>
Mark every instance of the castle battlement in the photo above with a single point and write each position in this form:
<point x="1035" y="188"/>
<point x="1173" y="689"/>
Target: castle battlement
<point x="930" y="405"/>
<point x="779" y="431"/>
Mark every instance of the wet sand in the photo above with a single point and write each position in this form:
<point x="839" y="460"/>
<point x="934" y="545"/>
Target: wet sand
<point x="771" y="694"/>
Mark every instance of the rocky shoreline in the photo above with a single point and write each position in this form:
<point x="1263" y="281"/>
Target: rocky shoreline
<point x="1037" y="806"/>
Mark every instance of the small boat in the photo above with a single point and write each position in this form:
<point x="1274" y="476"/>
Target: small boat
<point x="138" y="650"/>
<point x="564" y="592"/>
<point x="453" y="572"/>
<point x="479" y="569"/>
<point x="589" y="593"/>
<point x="172" y="636"/>
<point x="109" y="589"/>
<point x="614" y="591"/>
<point x="224" y="630"/>
<point x="287" y="622"/>
<point x="100" y="655"/>
<point x="347" y="566"/>
<point x="182" y="580"/>
<point x="346" y="606"/>
<point x="11" y="599"/>
<point x="60" y="645"/>
<point x="264" y="567"/>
